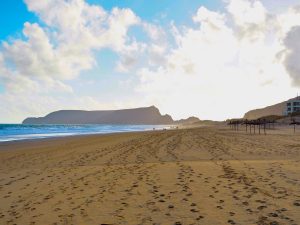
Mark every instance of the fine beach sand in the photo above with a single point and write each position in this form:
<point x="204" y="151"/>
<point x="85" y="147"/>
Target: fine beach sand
<point x="208" y="175"/>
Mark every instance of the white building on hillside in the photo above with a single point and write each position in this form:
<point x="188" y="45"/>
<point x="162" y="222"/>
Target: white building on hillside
<point x="292" y="106"/>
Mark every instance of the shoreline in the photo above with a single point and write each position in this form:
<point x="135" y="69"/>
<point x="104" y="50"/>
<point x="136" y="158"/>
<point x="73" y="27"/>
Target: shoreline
<point x="7" y="145"/>
<point x="75" y="137"/>
<point x="64" y="135"/>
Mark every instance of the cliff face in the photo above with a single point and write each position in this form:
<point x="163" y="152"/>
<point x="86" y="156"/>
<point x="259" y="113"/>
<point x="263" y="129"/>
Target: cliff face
<point x="147" y="115"/>
<point x="276" y="109"/>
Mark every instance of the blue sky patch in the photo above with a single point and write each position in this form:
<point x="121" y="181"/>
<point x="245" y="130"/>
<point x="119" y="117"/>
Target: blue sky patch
<point x="1" y="88"/>
<point x="13" y="16"/>
<point x="161" y="10"/>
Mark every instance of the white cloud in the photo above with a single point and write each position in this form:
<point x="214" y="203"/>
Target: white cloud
<point x="246" y="12"/>
<point x="130" y="57"/>
<point x="119" y="22"/>
<point x="220" y="68"/>
<point x="155" y="32"/>
<point x="151" y="52"/>
<point x="288" y="19"/>
<point x="60" y="49"/>
<point x="65" y="47"/>
<point x="292" y="54"/>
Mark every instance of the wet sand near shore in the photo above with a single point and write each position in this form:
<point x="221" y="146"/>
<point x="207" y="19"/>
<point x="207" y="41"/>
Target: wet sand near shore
<point x="208" y="175"/>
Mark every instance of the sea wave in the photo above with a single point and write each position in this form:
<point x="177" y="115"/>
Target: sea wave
<point x="13" y="132"/>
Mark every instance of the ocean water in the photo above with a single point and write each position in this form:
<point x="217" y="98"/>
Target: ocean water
<point x="12" y="132"/>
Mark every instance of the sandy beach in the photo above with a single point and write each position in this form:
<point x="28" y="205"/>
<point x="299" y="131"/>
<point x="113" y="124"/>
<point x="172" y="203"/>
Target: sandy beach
<point x="209" y="175"/>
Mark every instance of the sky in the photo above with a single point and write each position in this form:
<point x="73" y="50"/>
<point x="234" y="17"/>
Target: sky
<point x="206" y="58"/>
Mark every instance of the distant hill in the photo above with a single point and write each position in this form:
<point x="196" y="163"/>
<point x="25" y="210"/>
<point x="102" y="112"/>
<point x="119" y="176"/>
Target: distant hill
<point x="189" y="120"/>
<point x="147" y="115"/>
<point x="208" y="123"/>
<point x="273" y="110"/>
